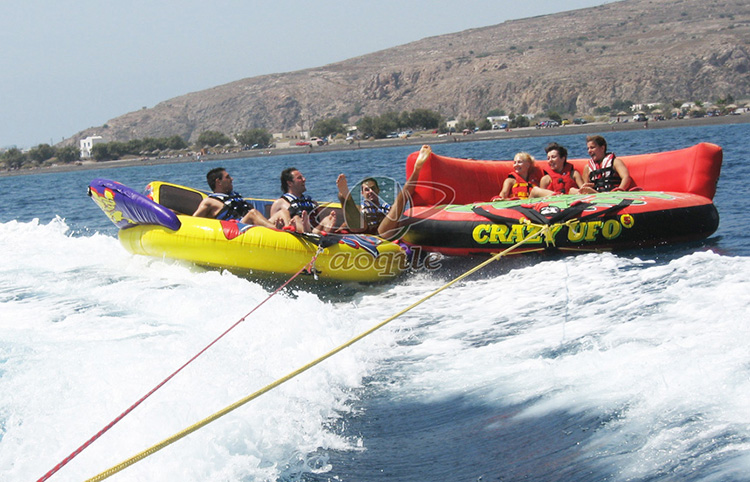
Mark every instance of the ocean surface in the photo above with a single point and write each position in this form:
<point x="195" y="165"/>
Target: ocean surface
<point x="632" y="366"/>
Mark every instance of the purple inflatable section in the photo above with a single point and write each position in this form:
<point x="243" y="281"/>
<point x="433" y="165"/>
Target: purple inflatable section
<point x="126" y="207"/>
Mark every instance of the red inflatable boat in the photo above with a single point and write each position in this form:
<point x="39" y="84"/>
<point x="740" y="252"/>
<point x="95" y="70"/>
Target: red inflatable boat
<point x="452" y="213"/>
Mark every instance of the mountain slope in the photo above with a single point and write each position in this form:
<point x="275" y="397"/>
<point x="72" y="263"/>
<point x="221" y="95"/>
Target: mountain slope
<point x="639" y="50"/>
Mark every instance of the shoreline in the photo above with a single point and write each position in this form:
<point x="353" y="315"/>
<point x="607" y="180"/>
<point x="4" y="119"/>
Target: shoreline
<point x="432" y="139"/>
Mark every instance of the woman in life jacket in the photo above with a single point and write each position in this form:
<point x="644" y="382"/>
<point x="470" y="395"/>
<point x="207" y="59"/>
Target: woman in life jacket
<point x="522" y="180"/>
<point x="604" y="172"/>
<point x="560" y="177"/>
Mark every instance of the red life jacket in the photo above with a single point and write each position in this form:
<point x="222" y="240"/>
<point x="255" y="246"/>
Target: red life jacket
<point x="561" y="182"/>
<point x="522" y="187"/>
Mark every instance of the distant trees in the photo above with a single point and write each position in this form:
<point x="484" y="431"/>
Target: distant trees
<point x="13" y="158"/>
<point x="617" y="106"/>
<point x="380" y="126"/>
<point x="555" y="116"/>
<point x="43" y="153"/>
<point x="68" y="154"/>
<point x="519" y="121"/>
<point x="622" y="105"/>
<point x="328" y="127"/>
<point x="251" y="137"/>
<point x="110" y="151"/>
<point x="212" y="138"/>
<point x="101" y="152"/>
<point x="466" y="124"/>
<point x="366" y="126"/>
<point x="424" y="119"/>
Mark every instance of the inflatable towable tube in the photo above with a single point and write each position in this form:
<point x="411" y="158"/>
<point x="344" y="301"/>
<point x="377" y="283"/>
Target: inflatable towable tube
<point x="452" y="213"/>
<point x="152" y="229"/>
<point x="601" y="222"/>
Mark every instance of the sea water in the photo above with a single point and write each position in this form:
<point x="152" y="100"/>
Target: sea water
<point x="628" y="366"/>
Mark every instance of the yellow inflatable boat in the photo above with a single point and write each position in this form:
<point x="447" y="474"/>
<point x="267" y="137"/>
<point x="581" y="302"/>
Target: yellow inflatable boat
<point x="158" y="224"/>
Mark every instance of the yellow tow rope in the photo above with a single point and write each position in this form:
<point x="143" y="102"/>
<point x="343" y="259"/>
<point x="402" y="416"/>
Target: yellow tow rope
<point x="187" y="431"/>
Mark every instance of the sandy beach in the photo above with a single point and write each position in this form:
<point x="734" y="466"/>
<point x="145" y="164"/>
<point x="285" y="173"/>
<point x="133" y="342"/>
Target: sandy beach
<point x="417" y="140"/>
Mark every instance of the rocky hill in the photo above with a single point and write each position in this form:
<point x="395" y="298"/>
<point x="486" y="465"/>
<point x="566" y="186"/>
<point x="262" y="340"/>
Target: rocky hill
<point x="639" y="50"/>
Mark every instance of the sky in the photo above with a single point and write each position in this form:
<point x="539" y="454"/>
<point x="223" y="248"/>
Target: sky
<point x="69" y="65"/>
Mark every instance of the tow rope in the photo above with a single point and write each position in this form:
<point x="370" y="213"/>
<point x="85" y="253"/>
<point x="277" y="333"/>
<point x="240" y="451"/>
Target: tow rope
<point x="322" y="241"/>
<point x="310" y="266"/>
<point x="542" y="231"/>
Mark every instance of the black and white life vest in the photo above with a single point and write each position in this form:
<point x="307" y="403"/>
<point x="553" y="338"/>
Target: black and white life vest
<point x="604" y="175"/>
<point x="374" y="213"/>
<point x="235" y="207"/>
<point x="299" y="204"/>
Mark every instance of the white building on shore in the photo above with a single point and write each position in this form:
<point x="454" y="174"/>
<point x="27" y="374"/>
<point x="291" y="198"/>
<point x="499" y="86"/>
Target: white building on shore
<point x="87" y="144"/>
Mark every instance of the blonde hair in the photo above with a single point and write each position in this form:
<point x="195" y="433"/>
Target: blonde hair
<point x="524" y="156"/>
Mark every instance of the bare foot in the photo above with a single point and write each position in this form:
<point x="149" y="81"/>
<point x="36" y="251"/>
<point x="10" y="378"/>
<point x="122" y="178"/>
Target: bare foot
<point x="424" y="154"/>
<point x="329" y="222"/>
<point x="297" y="223"/>
<point x="343" y="186"/>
